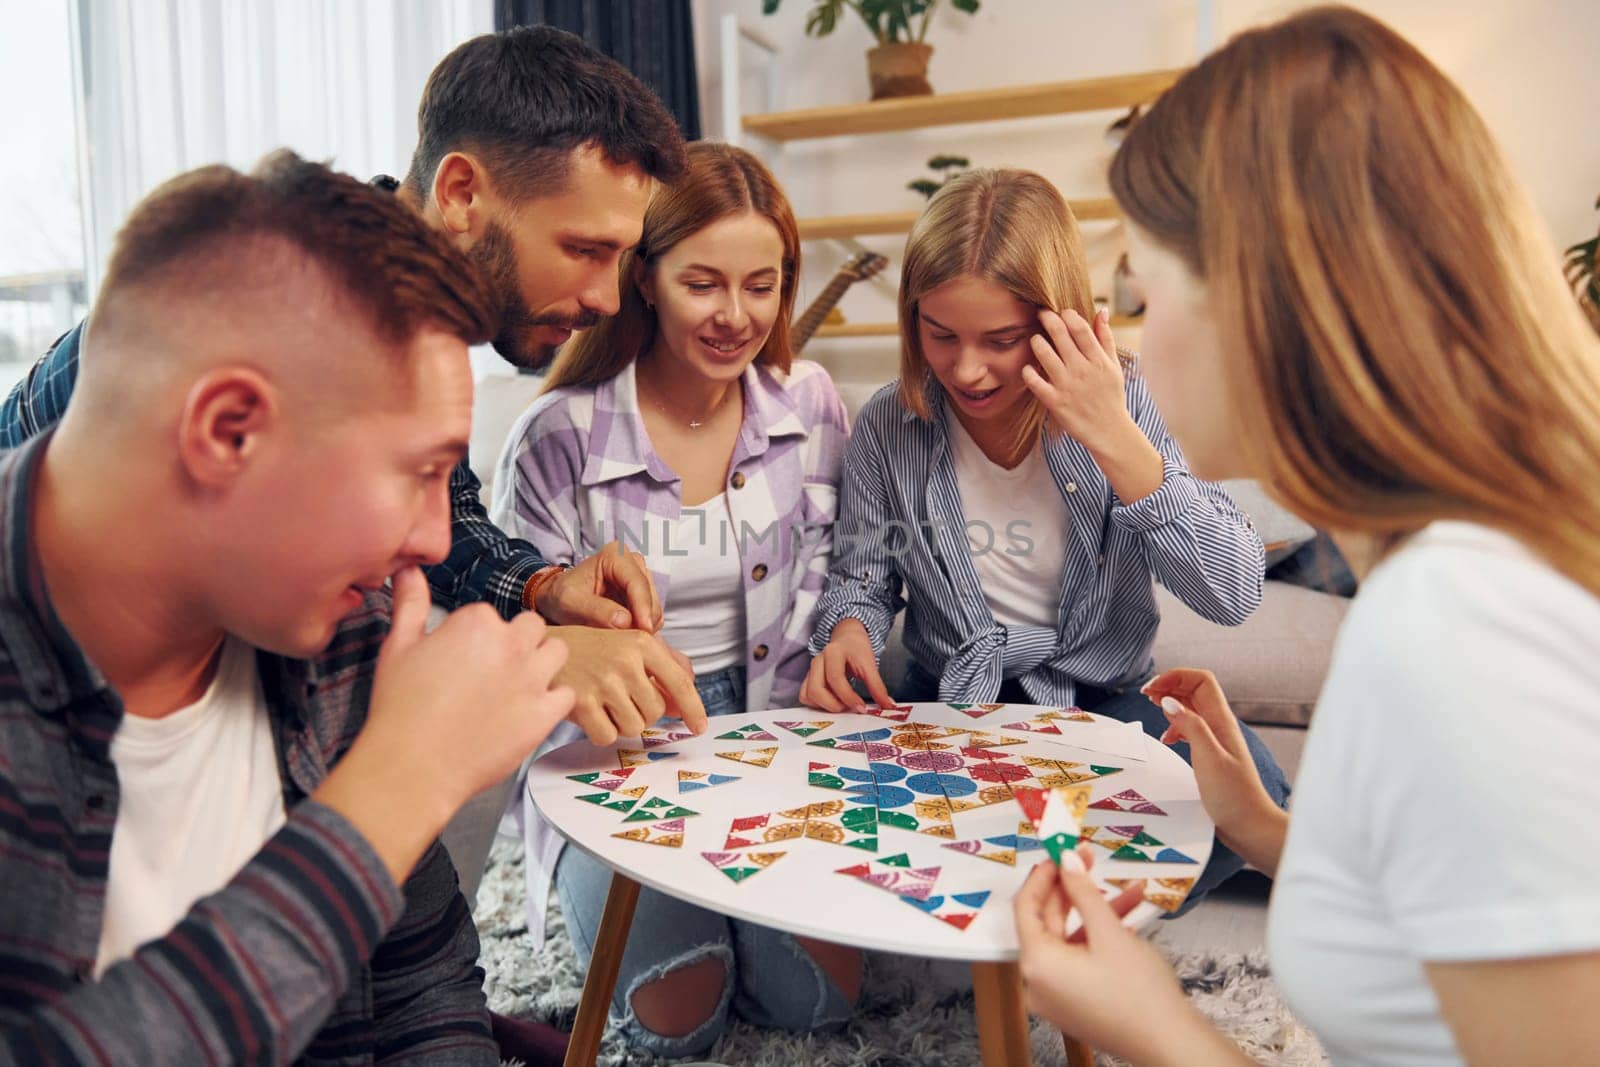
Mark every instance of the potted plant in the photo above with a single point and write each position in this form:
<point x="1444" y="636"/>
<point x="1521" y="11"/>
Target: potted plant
<point x="946" y="167"/>
<point x="898" y="65"/>
<point x="1583" y="274"/>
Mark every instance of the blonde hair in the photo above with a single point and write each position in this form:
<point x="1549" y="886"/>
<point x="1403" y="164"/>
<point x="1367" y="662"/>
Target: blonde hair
<point x="1403" y="347"/>
<point x="721" y="181"/>
<point x="1011" y="227"/>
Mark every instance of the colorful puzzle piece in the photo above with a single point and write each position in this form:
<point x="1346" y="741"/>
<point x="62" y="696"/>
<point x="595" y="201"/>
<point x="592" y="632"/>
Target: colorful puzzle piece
<point x="657" y="738"/>
<point x="1057" y="816"/>
<point x="1002" y="848"/>
<point x="620" y="800"/>
<point x="1127" y="800"/>
<point x="668" y="833"/>
<point x="657" y="808"/>
<point x="1134" y="844"/>
<point x="689" y="781"/>
<point x="1168" y="894"/>
<point x="895" y="874"/>
<point x="805" y="728"/>
<point x="749" y="732"/>
<point x="975" y="711"/>
<point x="612" y="780"/>
<point x="741" y="865"/>
<point x="832" y="821"/>
<point x="629" y="758"/>
<point x="1054" y="772"/>
<point x="755" y="757"/>
<point x="957" y="909"/>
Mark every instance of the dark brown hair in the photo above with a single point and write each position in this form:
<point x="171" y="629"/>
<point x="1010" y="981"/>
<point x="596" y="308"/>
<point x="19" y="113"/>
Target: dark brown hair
<point x="384" y="258"/>
<point x="722" y="181"/>
<point x="524" y="99"/>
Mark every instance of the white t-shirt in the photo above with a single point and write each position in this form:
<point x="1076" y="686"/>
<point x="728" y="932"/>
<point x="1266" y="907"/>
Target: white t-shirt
<point x="703" y="616"/>
<point x="1449" y="798"/>
<point x="200" y="794"/>
<point x="1017" y="524"/>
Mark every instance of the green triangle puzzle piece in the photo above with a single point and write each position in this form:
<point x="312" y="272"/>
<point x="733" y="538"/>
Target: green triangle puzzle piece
<point x="739" y="874"/>
<point x="595" y="798"/>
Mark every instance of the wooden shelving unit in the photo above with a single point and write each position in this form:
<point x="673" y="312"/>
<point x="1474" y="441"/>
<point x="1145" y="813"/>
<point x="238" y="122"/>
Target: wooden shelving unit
<point x="948" y="109"/>
<point x="889" y="329"/>
<point x="1117" y="92"/>
<point x="892" y="222"/>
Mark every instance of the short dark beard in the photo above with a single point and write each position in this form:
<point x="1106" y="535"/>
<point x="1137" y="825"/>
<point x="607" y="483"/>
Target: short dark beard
<point x="496" y="257"/>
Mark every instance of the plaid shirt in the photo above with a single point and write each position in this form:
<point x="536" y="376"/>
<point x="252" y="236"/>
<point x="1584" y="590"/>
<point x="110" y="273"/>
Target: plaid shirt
<point x="310" y="953"/>
<point x="483" y="564"/>
<point x="578" y="471"/>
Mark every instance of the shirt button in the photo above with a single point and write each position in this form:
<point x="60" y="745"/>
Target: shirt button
<point x="760" y="653"/>
<point x="738" y="479"/>
<point x="95" y="801"/>
<point x="1072" y="487"/>
<point x="759" y="571"/>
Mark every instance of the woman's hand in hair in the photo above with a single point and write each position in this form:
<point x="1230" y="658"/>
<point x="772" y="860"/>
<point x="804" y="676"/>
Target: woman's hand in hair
<point x="848" y="655"/>
<point x="1079" y="383"/>
<point x="1079" y="378"/>
<point x="1247" y="819"/>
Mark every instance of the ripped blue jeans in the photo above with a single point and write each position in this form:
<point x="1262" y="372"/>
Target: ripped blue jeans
<point x="768" y="978"/>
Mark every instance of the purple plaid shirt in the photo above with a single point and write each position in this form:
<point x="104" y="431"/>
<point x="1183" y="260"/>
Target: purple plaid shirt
<point x="578" y="472"/>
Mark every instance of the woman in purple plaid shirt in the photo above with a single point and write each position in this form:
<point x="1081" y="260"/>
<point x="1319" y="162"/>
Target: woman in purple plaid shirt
<point x="683" y="427"/>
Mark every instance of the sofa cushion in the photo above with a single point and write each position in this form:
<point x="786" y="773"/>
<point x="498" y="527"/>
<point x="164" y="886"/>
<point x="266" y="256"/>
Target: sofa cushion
<point x="1272" y="666"/>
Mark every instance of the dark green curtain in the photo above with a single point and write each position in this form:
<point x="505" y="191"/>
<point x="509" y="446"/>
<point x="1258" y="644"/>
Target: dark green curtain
<point x="652" y="38"/>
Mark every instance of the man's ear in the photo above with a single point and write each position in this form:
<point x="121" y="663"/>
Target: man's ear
<point x="226" y="416"/>
<point x="460" y="191"/>
<point x="643" y="278"/>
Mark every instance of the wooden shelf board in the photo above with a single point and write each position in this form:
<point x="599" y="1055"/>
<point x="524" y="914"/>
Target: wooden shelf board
<point x="859" y="329"/>
<point x="891" y="222"/>
<point x="978" y="105"/>
<point x="890" y="329"/>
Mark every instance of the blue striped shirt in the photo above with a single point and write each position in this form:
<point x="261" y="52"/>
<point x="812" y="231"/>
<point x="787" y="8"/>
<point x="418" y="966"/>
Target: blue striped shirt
<point x="901" y="530"/>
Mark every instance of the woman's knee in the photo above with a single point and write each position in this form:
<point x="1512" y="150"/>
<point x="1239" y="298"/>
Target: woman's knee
<point x="685" y="999"/>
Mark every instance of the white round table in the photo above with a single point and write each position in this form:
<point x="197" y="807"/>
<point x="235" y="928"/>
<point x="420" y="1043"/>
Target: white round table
<point x="754" y="820"/>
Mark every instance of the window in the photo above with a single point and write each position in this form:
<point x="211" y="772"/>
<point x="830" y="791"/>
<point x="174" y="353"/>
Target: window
<point x="42" y="289"/>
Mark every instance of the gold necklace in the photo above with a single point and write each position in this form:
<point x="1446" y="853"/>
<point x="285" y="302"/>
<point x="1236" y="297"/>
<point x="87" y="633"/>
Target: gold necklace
<point x="694" y="424"/>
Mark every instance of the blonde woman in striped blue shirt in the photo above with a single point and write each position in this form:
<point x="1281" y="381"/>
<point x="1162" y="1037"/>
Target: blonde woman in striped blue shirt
<point x="1017" y="491"/>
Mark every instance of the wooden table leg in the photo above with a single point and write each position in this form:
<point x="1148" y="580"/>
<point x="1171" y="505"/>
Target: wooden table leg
<point x="1078" y="1054"/>
<point x="1002" y="1016"/>
<point x="601" y="981"/>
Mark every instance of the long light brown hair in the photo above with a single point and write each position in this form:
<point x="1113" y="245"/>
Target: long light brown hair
<point x="1402" y="347"/>
<point x="1011" y="227"/>
<point x="721" y="181"/>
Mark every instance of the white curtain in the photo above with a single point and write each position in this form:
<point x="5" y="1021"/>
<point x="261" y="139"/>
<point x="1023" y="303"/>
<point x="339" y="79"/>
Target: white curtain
<point x="169" y="85"/>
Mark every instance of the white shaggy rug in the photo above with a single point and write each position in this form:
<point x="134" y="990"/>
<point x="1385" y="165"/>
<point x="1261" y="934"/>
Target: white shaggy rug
<point x="909" y="1014"/>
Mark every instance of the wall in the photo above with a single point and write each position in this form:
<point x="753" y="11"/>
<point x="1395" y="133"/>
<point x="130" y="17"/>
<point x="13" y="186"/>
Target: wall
<point x="1528" y="68"/>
